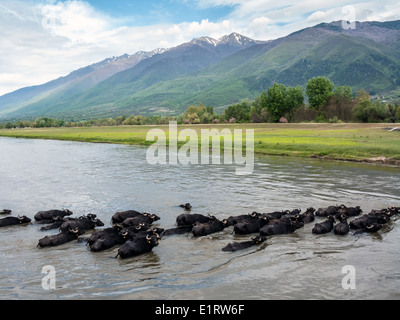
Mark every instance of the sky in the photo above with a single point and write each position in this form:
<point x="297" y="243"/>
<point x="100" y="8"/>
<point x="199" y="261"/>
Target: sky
<point x="43" y="40"/>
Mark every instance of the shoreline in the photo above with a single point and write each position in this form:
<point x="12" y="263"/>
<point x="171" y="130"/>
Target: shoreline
<point x="358" y="143"/>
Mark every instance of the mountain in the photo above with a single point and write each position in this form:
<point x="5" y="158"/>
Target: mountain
<point x="85" y="93"/>
<point x="218" y="73"/>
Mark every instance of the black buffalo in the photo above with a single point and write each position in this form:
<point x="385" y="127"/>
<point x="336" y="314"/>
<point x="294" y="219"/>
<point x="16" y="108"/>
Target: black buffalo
<point x="178" y="230"/>
<point x="83" y="223"/>
<point x="99" y="234"/>
<point x="325" y="212"/>
<point x="57" y="223"/>
<point x="232" y="220"/>
<point x="117" y="236"/>
<point x="186" y="206"/>
<point x="5" y="211"/>
<point x="368" y="219"/>
<point x="325" y="226"/>
<point x="394" y="210"/>
<point x="308" y="216"/>
<point x="47" y="216"/>
<point x="235" y="246"/>
<point x="350" y="212"/>
<point x="370" y="228"/>
<point x="138" y="231"/>
<point x="275" y="214"/>
<point x="14" y="221"/>
<point x="144" y="218"/>
<point x="138" y="245"/>
<point x="187" y="219"/>
<point x="59" y="239"/>
<point x="341" y="228"/>
<point x="212" y="226"/>
<point x="280" y="226"/>
<point x="107" y="241"/>
<point x="250" y="226"/>
<point x="119" y="217"/>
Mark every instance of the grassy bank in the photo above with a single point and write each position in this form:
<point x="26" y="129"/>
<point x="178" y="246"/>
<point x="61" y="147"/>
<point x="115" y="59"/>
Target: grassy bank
<point x="351" y="142"/>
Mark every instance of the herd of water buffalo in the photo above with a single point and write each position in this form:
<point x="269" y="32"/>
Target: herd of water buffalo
<point x="136" y="234"/>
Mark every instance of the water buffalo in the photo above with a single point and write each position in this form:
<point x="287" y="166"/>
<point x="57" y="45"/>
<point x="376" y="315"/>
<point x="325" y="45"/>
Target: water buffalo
<point x="119" y="217"/>
<point x="5" y="211"/>
<point x="325" y="212"/>
<point x="294" y="213"/>
<point x="57" y="222"/>
<point x="368" y="219"/>
<point x="235" y="246"/>
<point x="325" y="226"/>
<point x="350" y="212"/>
<point x="144" y="218"/>
<point x="250" y="226"/>
<point x="59" y="239"/>
<point x="341" y="228"/>
<point x="99" y="234"/>
<point x="370" y="228"/>
<point x="138" y="231"/>
<point x="107" y="242"/>
<point x="232" y="220"/>
<point x="14" y="221"/>
<point x="186" y="206"/>
<point x="275" y="214"/>
<point x="178" y="230"/>
<point x="280" y="226"/>
<point x="138" y="245"/>
<point x="212" y="226"/>
<point x="83" y="223"/>
<point x="187" y="219"/>
<point x="116" y="236"/>
<point x="394" y="210"/>
<point x="308" y="216"/>
<point x="47" y="216"/>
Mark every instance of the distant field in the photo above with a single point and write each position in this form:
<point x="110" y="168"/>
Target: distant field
<point x="352" y="142"/>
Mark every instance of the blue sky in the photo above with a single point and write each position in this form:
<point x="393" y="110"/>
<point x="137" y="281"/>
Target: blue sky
<point x="41" y="40"/>
<point x="145" y="12"/>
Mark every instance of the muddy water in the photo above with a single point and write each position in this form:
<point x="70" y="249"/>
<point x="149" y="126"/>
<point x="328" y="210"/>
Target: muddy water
<point x="87" y="178"/>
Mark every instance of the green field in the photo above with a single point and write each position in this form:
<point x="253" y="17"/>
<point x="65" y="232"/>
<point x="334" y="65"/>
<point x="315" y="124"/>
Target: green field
<point x="350" y="142"/>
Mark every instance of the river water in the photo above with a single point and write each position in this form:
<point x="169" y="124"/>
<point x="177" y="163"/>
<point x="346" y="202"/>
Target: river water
<point x="38" y="175"/>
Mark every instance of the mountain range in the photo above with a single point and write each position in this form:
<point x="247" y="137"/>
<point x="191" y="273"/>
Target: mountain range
<point x="217" y="72"/>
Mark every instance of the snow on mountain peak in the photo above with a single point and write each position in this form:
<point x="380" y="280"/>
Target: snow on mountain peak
<point x="232" y="39"/>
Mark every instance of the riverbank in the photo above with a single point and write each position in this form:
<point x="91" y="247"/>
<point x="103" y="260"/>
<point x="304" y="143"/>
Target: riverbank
<point x="344" y="141"/>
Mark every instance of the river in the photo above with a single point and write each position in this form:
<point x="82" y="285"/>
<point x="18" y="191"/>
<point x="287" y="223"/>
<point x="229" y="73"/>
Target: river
<point x="102" y="179"/>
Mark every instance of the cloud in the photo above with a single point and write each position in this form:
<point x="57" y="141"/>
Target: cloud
<point x="42" y="41"/>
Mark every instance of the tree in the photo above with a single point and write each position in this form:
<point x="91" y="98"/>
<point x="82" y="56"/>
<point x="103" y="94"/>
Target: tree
<point x="239" y="111"/>
<point x="319" y="90"/>
<point x="294" y="100"/>
<point x="391" y="112"/>
<point x="281" y="100"/>
<point x="343" y="96"/>
<point x="367" y="111"/>
<point x="275" y="101"/>
<point x="8" y="125"/>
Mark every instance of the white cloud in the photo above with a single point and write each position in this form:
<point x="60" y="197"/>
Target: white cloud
<point x="40" y="42"/>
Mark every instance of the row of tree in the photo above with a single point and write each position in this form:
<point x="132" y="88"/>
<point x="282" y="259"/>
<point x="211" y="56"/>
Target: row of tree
<point x="326" y="103"/>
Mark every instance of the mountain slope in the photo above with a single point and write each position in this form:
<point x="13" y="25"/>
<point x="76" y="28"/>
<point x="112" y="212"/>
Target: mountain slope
<point x="71" y="85"/>
<point x="219" y="72"/>
<point x="76" y="99"/>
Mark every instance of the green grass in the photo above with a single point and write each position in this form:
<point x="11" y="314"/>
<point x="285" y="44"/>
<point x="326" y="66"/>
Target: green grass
<point x="351" y="142"/>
